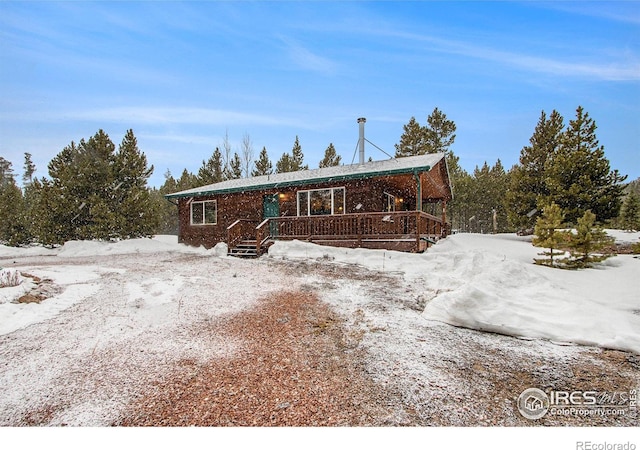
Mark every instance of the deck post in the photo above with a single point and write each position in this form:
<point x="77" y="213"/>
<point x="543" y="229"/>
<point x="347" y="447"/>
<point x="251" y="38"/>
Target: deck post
<point x="418" y="220"/>
<point x="418" y="191"/>
<point x="444" y="218"/>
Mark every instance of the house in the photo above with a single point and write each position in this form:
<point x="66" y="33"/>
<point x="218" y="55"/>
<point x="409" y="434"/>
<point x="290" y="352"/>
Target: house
<point x="379" y="204"/>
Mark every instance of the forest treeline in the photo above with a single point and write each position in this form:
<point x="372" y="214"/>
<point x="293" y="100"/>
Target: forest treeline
<point x="95" y="190"/>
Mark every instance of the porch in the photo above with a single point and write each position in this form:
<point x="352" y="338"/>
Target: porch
<point x="408" y="231"/>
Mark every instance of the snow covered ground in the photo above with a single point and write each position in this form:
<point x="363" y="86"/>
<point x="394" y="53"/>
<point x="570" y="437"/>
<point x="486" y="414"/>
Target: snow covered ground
<point x="488" y="283"/>
<point x="141" y="305"/>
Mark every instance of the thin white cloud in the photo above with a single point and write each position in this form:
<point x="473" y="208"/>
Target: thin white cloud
<point x="149" y="115"/>
<point x="624" y="12"/>
<point x="305" y="59"/>
<point x="606" y="69"/>
<point x="180" y="115"/>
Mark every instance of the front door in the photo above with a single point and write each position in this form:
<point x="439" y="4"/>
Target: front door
<point x="271" y="208"/>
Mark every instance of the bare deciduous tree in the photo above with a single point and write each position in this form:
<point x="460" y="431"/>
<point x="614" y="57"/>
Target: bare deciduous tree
<point x="247" y="154"/>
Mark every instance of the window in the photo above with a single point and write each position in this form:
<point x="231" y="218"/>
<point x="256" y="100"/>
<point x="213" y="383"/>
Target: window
<point x="318" y="202"/>
<point x="204" y="213"/>
<point x="389" y="204"/>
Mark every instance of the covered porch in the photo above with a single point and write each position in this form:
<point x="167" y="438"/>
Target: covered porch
<point x="408" y="231"/>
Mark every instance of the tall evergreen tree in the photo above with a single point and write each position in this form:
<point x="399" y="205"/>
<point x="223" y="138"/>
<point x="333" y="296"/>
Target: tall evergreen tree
<point x="484" y="198"/>
<point x="331" y="158"/>
<point x="579" y="177"/>
<point x="6" y="171"/>
<point x="458" y="207"/>
<point x="528" y="179"/>
<point x="186" y="181"/>
<point x="412" y="141"/>
<point x="29" y="169"/>
<point x="211" y="170"/>
<point x="83" y="178"/>
<point x="631" y="212"/>
<point x="55" y="203"/>
<point x="136" y="214"/>
<point x="263" y="165"/>
<point x="235" y="167"/>
<point x="297" y="158"/>
<point x="284" y="164"/>
<point x="292" y="162"/>
<point x="168" y="213"/>
<point x="439" y="133"/>
<point x="12" y="226"/>
<point x="95" y="192"/>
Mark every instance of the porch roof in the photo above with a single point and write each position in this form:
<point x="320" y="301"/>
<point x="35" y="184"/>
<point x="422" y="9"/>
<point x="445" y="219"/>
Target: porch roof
<point x="394" y="166"/>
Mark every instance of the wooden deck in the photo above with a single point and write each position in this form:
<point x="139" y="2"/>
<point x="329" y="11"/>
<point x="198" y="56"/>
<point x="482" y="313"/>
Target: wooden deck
<point x="409" y="231"/>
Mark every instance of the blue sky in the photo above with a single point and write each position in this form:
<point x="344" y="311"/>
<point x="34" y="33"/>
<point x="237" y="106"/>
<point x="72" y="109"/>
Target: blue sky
<point x="182" y="75"/>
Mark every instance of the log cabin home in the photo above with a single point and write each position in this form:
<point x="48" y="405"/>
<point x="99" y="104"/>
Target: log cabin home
<point x="379" y="204"/>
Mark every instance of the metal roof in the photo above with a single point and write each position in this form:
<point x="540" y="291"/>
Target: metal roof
<point x="394" y="166"/>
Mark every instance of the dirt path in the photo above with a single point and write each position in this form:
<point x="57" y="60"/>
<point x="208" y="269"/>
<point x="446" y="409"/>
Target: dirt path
<point x="293" y="370"/>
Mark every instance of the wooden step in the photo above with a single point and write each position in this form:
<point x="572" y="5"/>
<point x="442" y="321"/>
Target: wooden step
<point x="244" y="249"/>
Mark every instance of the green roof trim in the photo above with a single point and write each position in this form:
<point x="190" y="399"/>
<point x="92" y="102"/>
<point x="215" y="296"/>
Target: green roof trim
<point x="299" y="182"/>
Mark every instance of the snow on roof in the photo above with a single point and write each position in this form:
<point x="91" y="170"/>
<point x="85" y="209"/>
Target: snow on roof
<point x="353" y="171"/>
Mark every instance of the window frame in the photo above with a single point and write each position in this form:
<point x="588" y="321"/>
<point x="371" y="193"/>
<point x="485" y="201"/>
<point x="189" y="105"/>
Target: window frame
<point x="333" y="203"/>
<point x="203" y="212"/>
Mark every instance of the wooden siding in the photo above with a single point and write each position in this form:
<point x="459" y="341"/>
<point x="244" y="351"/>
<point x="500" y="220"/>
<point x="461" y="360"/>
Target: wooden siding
<point x="361" y="196"/>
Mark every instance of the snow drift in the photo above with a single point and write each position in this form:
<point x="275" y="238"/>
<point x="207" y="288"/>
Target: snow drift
<point x="489" y="283"/>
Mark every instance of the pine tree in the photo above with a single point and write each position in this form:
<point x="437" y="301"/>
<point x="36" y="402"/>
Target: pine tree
<point x="548" y="234"/>
<point x="579" y="176"/>
<point x="284" y="164"/>
<point x="297" y="157"/>
<point x="412" y="141"/>
<point x="330" y="157"/>
<point x="439" y="133"/>
<point x="49" y="225"/>
<point x="95" y="192"/>
<point x="211" y="170"/>
<point x="528" y="179"/>
<point x="57" y="203"/>
<point x="92" y="187"/>
<point x="12" y="226"/>
<point x="631" y="212"/>
<point x="186" y="181"/>
<point x="499" y="186"/>
<point x="484" y="198"/>
<point x="235" y="167"/>
<point x="168" y="210"/>
<point x="457" y="208"/>
<point x="29" y="169"/>
<point x="587" y="240"/>
<point x="136" y="215"/>
<point x="6" y="171"/>
<point x="263" y="165"/>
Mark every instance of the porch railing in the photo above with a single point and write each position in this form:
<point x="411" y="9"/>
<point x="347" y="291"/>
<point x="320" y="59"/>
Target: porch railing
<point x="240" y="230"/>
<point x="357" y="227"/>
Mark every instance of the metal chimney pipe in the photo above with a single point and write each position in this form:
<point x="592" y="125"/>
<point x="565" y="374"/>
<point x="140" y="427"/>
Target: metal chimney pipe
<point x="361" y="122"/>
